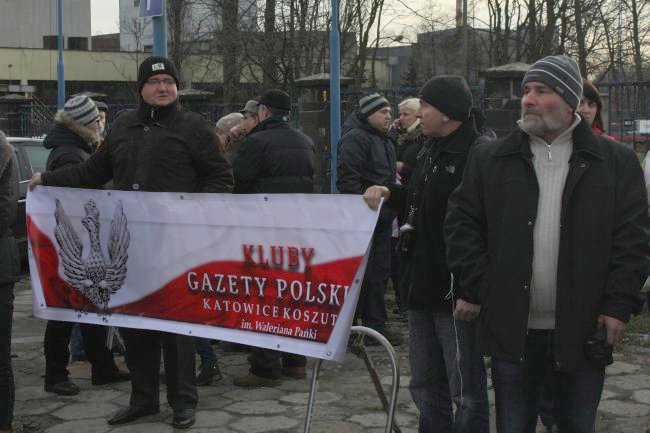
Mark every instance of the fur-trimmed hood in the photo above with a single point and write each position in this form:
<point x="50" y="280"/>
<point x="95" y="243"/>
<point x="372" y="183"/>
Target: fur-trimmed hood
<point x="88" y="135"/>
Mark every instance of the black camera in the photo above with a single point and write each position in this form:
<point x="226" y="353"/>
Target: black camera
<point x="406" y="241"/>
<point x="597" y="350"/>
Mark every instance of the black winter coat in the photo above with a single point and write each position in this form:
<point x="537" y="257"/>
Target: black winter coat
<point x="425" y="279"/>
<point x="164" y="149"/>
<point x="9" y="260"/>
<point x="70" y="142"/>
<point x="366" y="157"/>
<point x="274" y="158"/>
<point x="603" y="252"/>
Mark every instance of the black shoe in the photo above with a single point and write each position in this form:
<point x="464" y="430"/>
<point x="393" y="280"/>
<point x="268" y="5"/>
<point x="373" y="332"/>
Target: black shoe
<point x="63" y="388"/>
<point x="208" y="372"/>
<point x="118" y="376"/>
<point x="183" y="419"/>
<point x="394" y="338"/>
<point x="130" y="413"/>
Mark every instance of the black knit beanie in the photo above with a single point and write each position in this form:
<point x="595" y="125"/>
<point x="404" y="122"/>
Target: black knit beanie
<point x="155" y="65"/>
<point x="560" y="73"/>
<point x="450" y="94"/>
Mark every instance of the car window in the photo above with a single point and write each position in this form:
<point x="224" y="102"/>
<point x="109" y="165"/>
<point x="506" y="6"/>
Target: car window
<point x="37" y="156"/>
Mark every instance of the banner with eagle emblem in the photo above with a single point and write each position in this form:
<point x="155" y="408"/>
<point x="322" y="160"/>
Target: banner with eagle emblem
<point x="279" y="271"/>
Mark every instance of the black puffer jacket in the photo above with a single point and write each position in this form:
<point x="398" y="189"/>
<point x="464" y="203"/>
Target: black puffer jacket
<point x="425" y="280"/>
<point x="71" y="143"/>
<point x="366" y="157"/>
<point x="603" y="250"/>
<point x="274" y="158"/>
<point x="163" y="149"/>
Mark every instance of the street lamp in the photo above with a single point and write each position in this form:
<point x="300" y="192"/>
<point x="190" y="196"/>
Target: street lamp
<point x="10" y="66"/>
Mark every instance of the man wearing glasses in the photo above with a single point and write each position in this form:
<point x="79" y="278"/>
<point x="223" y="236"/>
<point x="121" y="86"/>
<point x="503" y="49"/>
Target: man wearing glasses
<point x="157" y="147"/>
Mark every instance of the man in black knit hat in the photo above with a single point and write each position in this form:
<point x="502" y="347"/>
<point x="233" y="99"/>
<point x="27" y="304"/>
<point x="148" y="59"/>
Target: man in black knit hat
<point x="445" y="369"/>
<point x="274" y="158"/>
<point x="548" y="235"/>
<point x="158" y="147"/>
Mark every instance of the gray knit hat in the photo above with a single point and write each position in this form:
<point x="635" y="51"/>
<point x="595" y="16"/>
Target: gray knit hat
<point x="560" y="73"/>
<point x="371" y="103"/>
<point x="229" y="121"/>
<point x="82" y="110"/>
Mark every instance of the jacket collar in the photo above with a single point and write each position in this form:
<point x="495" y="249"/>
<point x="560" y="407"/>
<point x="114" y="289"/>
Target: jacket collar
<point x="270" y="123"/>
<point x="585" y="142"/>
<point x="458" y="141"/>
<point x="163" y="115"/>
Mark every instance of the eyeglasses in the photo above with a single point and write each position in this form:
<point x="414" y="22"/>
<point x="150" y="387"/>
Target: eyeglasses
<point x="166" y="82"/>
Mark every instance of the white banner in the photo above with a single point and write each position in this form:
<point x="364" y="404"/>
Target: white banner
<point x="280" y="271"/>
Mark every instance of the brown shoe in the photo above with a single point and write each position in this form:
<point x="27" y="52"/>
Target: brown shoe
<point x="252" y="380"/>
<point x="295" y="372"/>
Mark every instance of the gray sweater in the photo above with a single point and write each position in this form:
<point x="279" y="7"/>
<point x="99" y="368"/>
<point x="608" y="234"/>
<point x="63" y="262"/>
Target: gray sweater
<point x="551" y="163"/>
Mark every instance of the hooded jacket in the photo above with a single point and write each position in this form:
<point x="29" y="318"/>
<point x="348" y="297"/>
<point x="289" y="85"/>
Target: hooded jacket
<point x="366" y="157"/>
<point x="71" y="143"/>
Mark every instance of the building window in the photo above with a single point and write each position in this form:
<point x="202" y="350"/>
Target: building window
<point x="50" y="42"/>
<point x="78" y="43"/>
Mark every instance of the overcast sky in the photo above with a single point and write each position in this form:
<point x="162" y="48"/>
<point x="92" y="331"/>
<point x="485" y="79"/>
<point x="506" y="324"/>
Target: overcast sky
<point x="105" y="15"/>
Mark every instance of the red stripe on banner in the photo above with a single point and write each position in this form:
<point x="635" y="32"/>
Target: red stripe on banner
<point x="232" y="294"/>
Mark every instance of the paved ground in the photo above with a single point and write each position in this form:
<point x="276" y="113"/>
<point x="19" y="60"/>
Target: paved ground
<point x="346" y="401"/>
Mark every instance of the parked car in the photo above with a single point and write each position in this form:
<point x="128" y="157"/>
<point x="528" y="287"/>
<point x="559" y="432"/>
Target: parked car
<point x="30" y="157"/>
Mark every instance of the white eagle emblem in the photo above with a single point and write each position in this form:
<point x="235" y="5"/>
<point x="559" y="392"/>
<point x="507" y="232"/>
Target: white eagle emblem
<point x="95" y="277"/>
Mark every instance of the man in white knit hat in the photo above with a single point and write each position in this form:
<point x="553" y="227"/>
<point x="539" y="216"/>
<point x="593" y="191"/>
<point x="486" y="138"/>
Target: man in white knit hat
<point x="548" y="234"/>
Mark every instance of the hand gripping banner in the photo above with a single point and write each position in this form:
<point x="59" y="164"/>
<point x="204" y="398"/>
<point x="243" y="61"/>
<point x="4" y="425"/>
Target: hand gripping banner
<point x="280" y="271"/>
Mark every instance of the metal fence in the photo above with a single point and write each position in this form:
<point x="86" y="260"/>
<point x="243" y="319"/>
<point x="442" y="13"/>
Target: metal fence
<point x="627" y="111"/>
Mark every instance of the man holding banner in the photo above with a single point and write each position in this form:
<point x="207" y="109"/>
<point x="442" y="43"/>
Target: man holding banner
<point x="158" y="147"/>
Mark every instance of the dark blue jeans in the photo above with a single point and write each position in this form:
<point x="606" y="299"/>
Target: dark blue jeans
<point x="518" y="387"/>
<point x="205" y="350"/>
<point x="372" y="304"/>
<point x="440" y="378"/>
<point x="7" y="390"/>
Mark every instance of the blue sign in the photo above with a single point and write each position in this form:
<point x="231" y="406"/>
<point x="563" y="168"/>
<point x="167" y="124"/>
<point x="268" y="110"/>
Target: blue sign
<point x="151" y="8"/>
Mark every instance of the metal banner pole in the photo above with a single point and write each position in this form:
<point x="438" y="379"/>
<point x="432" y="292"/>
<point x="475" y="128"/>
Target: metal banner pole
<point x="389" y="405"/>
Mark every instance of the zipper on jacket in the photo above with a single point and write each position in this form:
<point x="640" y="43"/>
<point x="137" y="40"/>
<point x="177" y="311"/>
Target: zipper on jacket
<point x="550" y="157"/>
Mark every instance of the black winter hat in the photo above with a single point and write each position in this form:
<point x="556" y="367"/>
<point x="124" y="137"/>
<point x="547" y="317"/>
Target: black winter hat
<point x="276" y="98"/>
<point x="560" y="73"/>
<point x="450" y="94"/>
<point x="155" y="65"/>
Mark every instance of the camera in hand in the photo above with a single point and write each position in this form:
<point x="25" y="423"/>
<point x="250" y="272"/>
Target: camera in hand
<point x="597" y="350"/>
<point x="406" y="241"/>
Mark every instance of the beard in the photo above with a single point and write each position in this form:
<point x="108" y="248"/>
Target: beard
<point x="544" y="122"/>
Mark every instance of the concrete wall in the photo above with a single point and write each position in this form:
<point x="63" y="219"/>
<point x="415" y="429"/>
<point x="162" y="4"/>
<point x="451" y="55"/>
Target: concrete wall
<point x="23" y="23"/>
<point x="38" y="65"/>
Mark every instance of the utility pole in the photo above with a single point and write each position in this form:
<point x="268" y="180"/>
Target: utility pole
<point x="60" y="69"/>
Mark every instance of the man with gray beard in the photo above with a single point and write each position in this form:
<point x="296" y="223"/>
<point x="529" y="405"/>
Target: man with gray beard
<point x="548" y="232"/>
